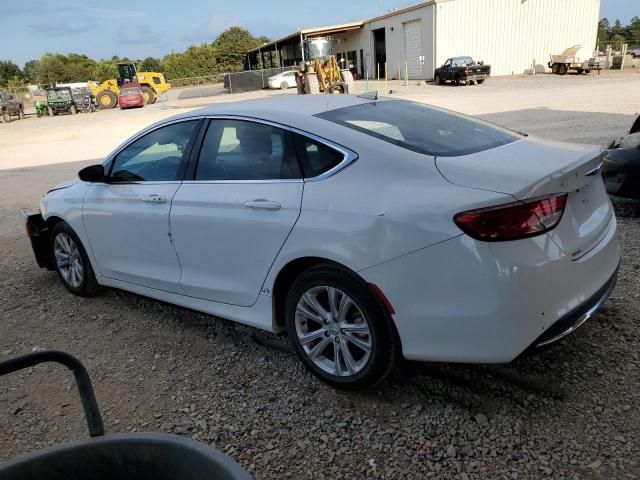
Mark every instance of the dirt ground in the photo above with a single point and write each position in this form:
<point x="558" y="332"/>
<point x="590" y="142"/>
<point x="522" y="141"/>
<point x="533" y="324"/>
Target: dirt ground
<point x="570" y="412"/>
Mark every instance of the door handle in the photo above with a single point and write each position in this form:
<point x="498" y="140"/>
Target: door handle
<point x="263" y="205"/>
<point x="154" y="199"/>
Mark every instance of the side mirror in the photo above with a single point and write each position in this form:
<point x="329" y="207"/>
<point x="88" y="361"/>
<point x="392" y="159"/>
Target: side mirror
<point x="92" y="174"/>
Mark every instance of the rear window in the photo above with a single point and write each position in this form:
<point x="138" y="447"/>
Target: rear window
<point x="130" y="91"/>
<point x="422" y="128"/>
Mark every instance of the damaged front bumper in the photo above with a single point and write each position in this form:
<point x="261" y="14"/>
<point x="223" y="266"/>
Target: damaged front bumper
<point x="39" y="234"/>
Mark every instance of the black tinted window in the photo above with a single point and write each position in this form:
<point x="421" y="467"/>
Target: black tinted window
<point x="156" y="156"/>
<point x="422" y="128"/>
<point x="315" y="157"/>
<point x="240" y="150"/>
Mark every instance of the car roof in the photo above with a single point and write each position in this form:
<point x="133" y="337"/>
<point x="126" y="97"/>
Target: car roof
<point x="287" y="109"/>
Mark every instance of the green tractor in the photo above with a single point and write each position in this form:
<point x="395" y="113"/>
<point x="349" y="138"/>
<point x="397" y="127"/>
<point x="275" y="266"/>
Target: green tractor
<point x="60" y="100"/>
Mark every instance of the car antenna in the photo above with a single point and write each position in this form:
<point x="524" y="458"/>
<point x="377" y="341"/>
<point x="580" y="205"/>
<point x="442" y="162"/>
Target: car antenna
<point x="370" y="95"/>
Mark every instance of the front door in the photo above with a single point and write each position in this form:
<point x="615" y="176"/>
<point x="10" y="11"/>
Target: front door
<point x="127" y="217"/>
<point x="230" y="220"/>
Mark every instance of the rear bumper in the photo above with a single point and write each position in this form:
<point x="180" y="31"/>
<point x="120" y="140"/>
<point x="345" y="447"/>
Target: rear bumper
<point x="476" y="76"/>
<point x="469" y="301"/>
<point x="40" y="236"/>
<point x="573" y="320"/>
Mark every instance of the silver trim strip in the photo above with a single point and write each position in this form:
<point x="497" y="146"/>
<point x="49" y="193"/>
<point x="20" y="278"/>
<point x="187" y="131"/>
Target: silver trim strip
<point x="349" y="156"/>
<point x="585" y="316"/>
<point x="595" y="171"/>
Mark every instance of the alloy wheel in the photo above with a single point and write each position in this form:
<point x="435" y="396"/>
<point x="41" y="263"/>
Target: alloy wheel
<point x="68" y="260"/>
<point x="333" y="331"/>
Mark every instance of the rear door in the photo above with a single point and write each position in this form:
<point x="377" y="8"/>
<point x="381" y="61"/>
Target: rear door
<point x="234" y="213"/>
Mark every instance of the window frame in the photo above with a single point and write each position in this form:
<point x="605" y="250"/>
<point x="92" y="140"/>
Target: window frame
<point x="348" y="156"/>
<point x="109" y="162"/>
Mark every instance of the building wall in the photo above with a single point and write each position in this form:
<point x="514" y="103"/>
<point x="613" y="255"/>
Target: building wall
<point x="510" y="34"/>
<point x="395" y="41"/>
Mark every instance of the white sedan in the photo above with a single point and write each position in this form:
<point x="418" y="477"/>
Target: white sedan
<point x="365" y="229"/>
<point x="283" y="80"/>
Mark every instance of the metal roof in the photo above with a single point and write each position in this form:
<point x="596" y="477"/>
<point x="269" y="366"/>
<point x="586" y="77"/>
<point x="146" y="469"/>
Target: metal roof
<point x="342" y="27"/>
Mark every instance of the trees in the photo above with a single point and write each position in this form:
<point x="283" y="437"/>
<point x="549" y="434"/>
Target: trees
<point x="195" y="61"/>
<point x="104" y="70"/>
<point x="232" y="46"/>
<point x="8" y="70"/>
<point x="150" y="64"/>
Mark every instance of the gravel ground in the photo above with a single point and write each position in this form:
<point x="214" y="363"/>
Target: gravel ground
<point x="570" y="412"/>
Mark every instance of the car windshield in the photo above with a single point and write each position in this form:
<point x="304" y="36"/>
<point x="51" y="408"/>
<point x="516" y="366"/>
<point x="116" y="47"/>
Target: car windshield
<point x="422" y="128"/>
<point x="462" y="61"/>
<point x="58" y="95"/>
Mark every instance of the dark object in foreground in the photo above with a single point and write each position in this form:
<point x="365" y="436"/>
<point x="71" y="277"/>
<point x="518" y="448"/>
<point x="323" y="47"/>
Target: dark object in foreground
<point x="138" y="456"/>
<point x="622" y="165"/>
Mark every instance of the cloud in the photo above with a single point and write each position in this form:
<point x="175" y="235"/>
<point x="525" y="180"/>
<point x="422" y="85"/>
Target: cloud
<point x="139" y="34"/>
<point x="208" y="30"/>
<point x="213" y="26"/>
<point x="61" y="27"/>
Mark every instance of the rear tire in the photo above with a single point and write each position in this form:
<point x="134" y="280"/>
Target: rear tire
<point x="481" y="81"/>
<point x="300" y="85"/>
<point x="562" y="69"/>
<point x="354" y="344"/>
<point x="21" y="114"/>
<point x="6" y="118"/>
<point x="149" y="95"/>
<point x="74" y="110"/>
<point x="438" y="80"/>
<point x="349" y="82"/>
<point x="311" y="84"/>
<point x="106" y="100"/>
<point x="71" y="261"/>
<point x="580" y="71"/>
<point x="284" y="86"/>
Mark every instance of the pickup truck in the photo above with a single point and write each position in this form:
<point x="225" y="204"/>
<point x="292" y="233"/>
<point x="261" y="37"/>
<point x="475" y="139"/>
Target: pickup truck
<point x="9" y="105"/>
<point x="462" y="70"/>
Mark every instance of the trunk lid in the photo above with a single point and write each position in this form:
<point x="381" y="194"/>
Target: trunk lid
<point x="533" y="167"/>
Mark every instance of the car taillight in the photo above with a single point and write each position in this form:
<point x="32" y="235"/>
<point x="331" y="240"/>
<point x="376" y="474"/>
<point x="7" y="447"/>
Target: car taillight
<point x="513" y="221"/>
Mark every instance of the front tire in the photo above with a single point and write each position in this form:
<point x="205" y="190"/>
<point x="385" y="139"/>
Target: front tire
<point x="21" y="114"/>
<point x="106" y="100"/>
<point x="339" y="329"/>
<point x="71" y="261"/>
<point x="74" y="110"/>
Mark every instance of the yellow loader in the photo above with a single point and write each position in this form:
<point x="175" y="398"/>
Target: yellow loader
<point x="320" y="72"/>
<point x="153" y="84"/>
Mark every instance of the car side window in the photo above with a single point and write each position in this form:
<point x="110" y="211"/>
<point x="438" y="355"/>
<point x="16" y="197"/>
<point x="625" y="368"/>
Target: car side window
<point x="315" y="157"/>
<point x="447" y="63"/>
<point x="244" y="150"/>
<point x="154" y="157"/>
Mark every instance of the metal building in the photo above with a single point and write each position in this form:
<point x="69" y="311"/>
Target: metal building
<point x="508" y="34"/>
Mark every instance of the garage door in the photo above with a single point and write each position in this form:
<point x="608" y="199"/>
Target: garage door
<point x="413" y="47"/>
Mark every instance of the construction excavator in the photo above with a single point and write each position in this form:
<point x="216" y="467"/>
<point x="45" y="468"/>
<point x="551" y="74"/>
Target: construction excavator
<point x="321" y="72"/>
<point x="106" y="93"/>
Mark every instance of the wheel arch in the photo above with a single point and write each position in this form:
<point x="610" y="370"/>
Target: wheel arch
<point x="291" y="270"/>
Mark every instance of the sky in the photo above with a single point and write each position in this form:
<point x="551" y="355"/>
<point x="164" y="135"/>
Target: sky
<point x="142" y="28"/>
